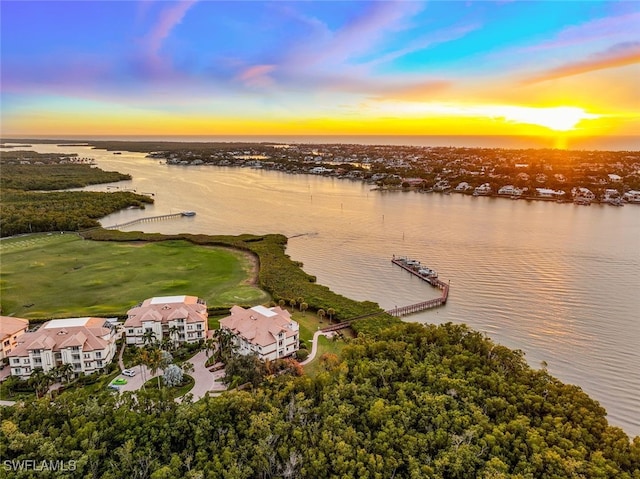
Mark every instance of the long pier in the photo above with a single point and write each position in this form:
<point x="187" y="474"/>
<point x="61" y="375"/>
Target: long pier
<point x="338" y="326"/>
<point x="424" y="305"/>
<point x="147" y="219"/>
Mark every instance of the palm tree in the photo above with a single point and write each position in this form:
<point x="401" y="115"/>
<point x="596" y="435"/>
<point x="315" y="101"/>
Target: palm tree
<point x="187" y="367"/>
<point x="149" y="337"/>
<point x="65" y="372"/>
<point x="143" y="357"/>
<point x="331" y="312"/>
<point x="173" y="335"/>
<point x="321" y="314"/>
<point x="226" y="344"/>
<point x="300" y="300"/>
<point x="292" y="303"/>
<point x="281" y="303"/>
<point x="304" y="307"/>
<point x="209" y="345"/>
<point x="154" y="362"/>
<point x="40" y="381"/>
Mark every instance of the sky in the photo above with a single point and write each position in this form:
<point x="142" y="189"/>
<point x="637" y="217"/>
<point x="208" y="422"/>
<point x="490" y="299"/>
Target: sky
<point x="320" y="67"/>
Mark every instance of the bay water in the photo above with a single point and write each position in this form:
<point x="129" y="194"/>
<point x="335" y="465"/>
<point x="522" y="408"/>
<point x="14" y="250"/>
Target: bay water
<point x="558" y="281"/>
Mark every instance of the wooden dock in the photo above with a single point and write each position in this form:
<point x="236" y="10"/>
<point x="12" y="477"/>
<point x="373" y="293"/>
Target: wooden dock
<point x="424" y="305"/>
<point x="145" y="220"/>
<point x="336" y="327"/>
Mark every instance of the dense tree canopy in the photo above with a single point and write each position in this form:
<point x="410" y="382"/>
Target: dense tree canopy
<point x="26" y="209"/>
<point x="414" y="401"/>
<point x="55" y="176"/>
<point x="32" y="212"/>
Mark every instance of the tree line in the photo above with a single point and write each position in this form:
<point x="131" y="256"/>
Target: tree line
<point x="412" y="401"/>
<point x="28" y="209"/>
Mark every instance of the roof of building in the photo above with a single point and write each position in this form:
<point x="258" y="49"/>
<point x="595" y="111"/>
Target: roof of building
<point x="66" y="323"/>
<point x="10" y="325"/>
<point x="172" y="299"/>
<point x="167" y="308"/>
<point x="260" y="325"/>
<point x="57" y="334"/>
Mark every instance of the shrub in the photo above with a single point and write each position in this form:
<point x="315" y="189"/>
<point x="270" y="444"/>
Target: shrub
<point x="302" y="354"/>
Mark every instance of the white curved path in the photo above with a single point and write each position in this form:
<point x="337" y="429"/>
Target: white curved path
<point x="314" y="345"/>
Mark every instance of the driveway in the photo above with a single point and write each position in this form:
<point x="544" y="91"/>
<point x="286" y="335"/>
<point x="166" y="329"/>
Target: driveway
<point x="205" y="380"/>
<point x="134" y="383"/>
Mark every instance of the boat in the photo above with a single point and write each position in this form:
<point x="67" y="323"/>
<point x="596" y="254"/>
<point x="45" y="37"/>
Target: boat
<point x="582" y="201"/>
<point x="427" y="273"/>
<point x="117" y="153"/>
<point x="616" y="202"/>
<point x="188" y="213"/>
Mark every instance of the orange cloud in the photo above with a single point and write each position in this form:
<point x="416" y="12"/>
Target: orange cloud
<point x="619" y="56"/>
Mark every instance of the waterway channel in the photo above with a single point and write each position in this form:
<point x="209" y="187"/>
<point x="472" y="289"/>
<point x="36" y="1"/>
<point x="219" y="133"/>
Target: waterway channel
<point x="560" y="282"/>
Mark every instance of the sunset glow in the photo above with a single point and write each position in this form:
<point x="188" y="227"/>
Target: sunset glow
<point x="220" y="68"/>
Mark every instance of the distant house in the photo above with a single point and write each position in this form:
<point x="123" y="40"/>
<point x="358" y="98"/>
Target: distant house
<point x="632" y="196"/>
<point x="319" y="170"/>
<point x="581" y="192"/>
<point x="614" y="178"/>
<point x="87" y="344"/>
<point x="268" y="332"/>
<point x="560" y="178"/>
<point x="549" y="193"/>
<point x="10" y="329"/>
<point x="610" y="194"/>
<point x="413" y="181"/>
<point x="510" y="190"/>
<point x="482" y="190"/>
<point x="176" y="318"/>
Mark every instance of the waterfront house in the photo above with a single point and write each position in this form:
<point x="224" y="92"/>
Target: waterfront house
<point x="510" y="190"/>
<point x="610" y="194"/>
<point x="584" y="193"/>
<point x="549" y="193"/>
<point x="176" y="318"/>
<point x="483" y="189"/>
<point x="413" y="182"/>
<point x="268" y="332"/>
<point x="87" y="344"/>
<point x="10" y="329"/>
<point x="463" y="186"/>
<point x="632" y="196"/>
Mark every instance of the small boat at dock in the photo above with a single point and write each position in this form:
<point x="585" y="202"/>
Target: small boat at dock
<point x="416" y="267"/>
<point x="188" y="213"/>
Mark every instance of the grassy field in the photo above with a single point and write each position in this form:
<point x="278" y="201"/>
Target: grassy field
<point x="53" y="275"/>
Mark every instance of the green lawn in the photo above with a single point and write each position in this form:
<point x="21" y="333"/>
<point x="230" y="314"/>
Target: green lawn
<point x="309" y="323"/>
<point x="325" y="345"/>
<point x="45" y="276"/>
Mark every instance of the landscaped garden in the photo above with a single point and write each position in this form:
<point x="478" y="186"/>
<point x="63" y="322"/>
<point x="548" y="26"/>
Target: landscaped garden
<point x="172" y="391"/>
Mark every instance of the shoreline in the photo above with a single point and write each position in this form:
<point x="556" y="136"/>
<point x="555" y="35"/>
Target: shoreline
<point x="563" y="176"/>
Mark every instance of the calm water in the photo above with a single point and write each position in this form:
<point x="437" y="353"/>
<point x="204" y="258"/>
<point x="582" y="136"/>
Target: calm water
<point x="558" y="281"/>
